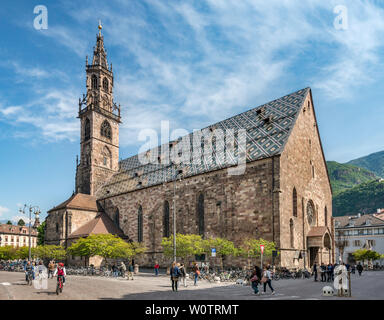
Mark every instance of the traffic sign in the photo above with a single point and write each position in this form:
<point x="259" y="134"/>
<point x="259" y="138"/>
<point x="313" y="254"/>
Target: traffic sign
<point x="262" y="248"/>
<point x="213" y="252"/>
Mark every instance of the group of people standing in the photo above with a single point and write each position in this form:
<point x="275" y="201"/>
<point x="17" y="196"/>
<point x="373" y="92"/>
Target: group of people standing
<point x="326" y="271"/>
<point x="261" y="277"/>
<point x="177" y="272"/>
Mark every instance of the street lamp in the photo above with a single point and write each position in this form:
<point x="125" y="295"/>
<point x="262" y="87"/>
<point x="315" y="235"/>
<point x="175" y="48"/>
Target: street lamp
<point x="36" y="213"/>
<point x="175" y="175"/>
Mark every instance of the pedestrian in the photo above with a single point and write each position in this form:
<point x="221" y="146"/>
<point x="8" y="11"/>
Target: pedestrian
<point x="51" y="270"/>
<point x="157" y="267"/>
<point x="359" y="268"/>
<point x="183" y="274"/>
<point x="314" y="270"/>
<point x="322" y="272"/>
<point x="130" y="271"/>
<point x="196" y="272"/>
<point x="267" y="279"/>
<point x="175" y="274"/>
<point x="353" y="268"/>
<point x="114" y="270"/>
<point x="255" y="280"/>
<point x="123" y="269"/>
<point x="329" y="272"/>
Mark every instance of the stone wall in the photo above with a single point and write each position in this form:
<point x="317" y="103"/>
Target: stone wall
<point x="302" y="152"/>
<point x="236" y="207"/>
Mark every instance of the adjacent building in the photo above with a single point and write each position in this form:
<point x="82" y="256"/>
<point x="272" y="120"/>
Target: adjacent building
<point x="356" y="232"/>
<point x="283" y="193"/>
<point x="17" y="236"/>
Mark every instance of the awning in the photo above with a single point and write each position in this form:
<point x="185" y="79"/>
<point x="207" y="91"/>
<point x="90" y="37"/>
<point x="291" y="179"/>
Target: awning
<point x="318" y="237"/>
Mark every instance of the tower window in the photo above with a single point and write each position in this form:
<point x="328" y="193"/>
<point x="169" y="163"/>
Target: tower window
<point x="107" y="157"/>
<point x="87" y="129"/>
<point x="105" y="84"/>
<point x="294" y="203"/>
<point x="166" y="220"/>
<point x="140" y="225"/>
<point x="200" y="214"/>
<point x="106" y="130"/>
<point x="94" y="82"/>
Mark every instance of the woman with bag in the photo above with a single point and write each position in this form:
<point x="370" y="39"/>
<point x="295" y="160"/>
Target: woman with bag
<point x="175" y="273"/>
<point x="267" y="279"/>
<point x="255" y="279"/>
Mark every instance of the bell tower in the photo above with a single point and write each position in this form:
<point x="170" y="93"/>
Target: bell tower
<point x="99" y="122"/>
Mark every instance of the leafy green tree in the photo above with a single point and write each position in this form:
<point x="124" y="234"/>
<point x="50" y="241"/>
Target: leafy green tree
<point x="21" y="223"/>
<point x="107" y="246"/>
<point x="223" y="248"/>
<point x="250" y="248"/>
<point x="187" y="245"/>
<point x="41" y="234"/>
<point x="8" y="253"/>
<point x="49" y="252"/>
<point x="22" y="252"/>
<point x="9" y="222"/>
<point x="365" y="254"/>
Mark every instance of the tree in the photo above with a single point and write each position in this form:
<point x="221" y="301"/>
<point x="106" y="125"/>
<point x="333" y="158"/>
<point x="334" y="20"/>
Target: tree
<point x="223" y="248"/>
<point x="22" y="252"/>
<point x="250" y="248"/>
<point x="41" y="233"/>
<point x="107" y="246"/>
<point x="9" y="222"/>
<point x="187" y="245"/>
<point x="7" y="253"/>
<point x="21" y="223"/>
<point x="49" y="252"/>
<point x="365" y="254"/>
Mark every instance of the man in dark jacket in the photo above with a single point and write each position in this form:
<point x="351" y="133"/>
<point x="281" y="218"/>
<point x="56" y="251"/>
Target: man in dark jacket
<point x="315" y="270"/>
<point x="359" y="268"/>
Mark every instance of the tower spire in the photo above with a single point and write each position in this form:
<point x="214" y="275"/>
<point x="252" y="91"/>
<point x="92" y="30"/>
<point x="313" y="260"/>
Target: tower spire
<point x="99" y="54"/>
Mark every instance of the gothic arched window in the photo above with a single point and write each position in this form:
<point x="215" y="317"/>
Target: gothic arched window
<point x="116" y="217"/>
<point x="87" y="129"/>
<point x="105" y="84"/>
<point x="166" y="220"/>
<point x="140" y="225"/>
<point x="294" y="203"/>
<point x="106" y="130"/>
<point x="94" y="82"/>
<point x="311" y="215"/>
<point x="200" y="214"/>
<point x="107" y="157"/>
<point x="291" y="234"/>
<point x="326" y="216"/>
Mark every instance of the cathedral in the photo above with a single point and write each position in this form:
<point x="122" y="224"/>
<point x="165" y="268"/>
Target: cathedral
<point x="282" y="192"/>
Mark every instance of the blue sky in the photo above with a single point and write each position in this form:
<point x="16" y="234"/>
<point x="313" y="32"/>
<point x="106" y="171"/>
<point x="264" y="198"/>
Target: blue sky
<point x="190" y="62"/>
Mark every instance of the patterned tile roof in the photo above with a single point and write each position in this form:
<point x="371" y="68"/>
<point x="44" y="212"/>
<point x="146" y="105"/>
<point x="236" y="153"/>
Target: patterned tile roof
<point x="17" y="230"/>
<point x="267" y="130"/>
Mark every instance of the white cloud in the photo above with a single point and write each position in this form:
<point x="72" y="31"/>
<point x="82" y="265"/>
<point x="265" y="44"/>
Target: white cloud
<point x="3" y="210"/>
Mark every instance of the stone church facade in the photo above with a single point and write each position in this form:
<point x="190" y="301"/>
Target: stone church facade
<point x="283" y="195"/>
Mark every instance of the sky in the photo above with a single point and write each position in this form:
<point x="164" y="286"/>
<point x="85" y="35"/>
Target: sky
<point x="192" y="63"/>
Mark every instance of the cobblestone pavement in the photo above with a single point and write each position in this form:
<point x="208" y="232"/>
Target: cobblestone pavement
<point x="147" y="287"/>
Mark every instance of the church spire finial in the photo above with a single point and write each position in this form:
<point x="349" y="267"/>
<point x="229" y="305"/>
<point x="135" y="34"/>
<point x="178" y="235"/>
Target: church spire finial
<point x="100" y="27"/>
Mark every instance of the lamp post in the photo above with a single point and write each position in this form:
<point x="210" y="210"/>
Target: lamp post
<point x="36" y="212"/>
<point x="176" y="173"/>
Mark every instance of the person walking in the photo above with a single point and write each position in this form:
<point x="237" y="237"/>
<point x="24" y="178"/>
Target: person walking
<point x="314" y="270"/>
<point x="267" y="279"/>
<point x="51" y="269"/>
<point x="157" y="267"/>
<point x="329" y="272"/>
<point x="196" y="272"/>
<point x="353" y="269"/>
<point x="114" y="270"/>
<point x="322" y="272"/>
<point x="359" y="268"/>
<point x="255" y="280"/>
<point x="130" y="271"/>
<point x="183" y="274"/>
<point x="175" y="274"/>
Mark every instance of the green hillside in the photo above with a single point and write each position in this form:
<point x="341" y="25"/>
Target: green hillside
<point x="346" y="176"/>
<point x="373" y="162"/>
<point x="364" y="198"/>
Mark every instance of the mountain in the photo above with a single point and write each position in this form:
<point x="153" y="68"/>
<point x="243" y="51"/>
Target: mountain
<point x="363" y="198"/>
<point x="373" y="162"/>
<point x="346" y="176"/>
